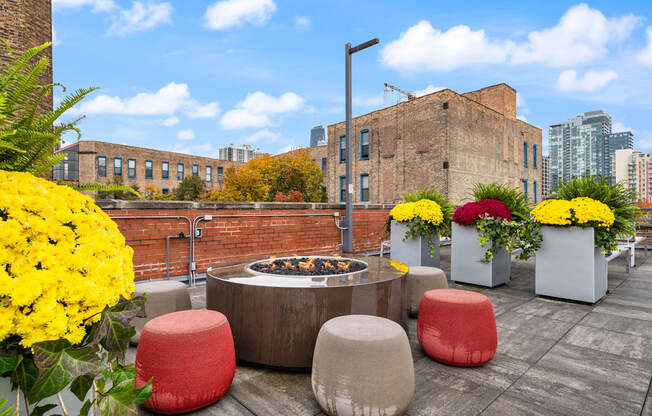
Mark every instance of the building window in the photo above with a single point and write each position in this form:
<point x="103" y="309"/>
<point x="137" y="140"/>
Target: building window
<point x="534" y="157"/>
<point x="209" y="174"/>
<point x="180" y="171"/>
<point x="195" y="170"/>
<point x="165" y="170"/>
<point x="342" y="188"/>
<point x="534" y="188"/>
<point x="324" y="163"/>
<point x="342" y="149"/>
<point x="101" y="166"/>
<point x="131" y="168"/>
<point x="117" y="166"/>
<point x="525" y="186"/>
<point x="149" y="169"/>
<point x="364" y="187"/>
<point x="165" y="191"/>
<point x="525" y="154"/>
<point x="364" y="144"/>
<point x="220" y="173"/>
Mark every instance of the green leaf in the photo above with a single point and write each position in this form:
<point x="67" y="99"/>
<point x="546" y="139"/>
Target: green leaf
<point x="26" y="373"/>
<point x="41" y="410"/>
<point x="6" y="411"/>
<point x="114" y="330"/>
<point x="59" y="364"/>
<point x="85" y="408"/>
<point x="119" y="401"/>
<point x="8" y="362"/>
<point x="81" y="385"/>
<point x="145" y="392"/>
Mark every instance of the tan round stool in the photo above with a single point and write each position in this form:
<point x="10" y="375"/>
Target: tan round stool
<point x="163" y="296"/>
<point x="362" y="365"/>
<point x="421" y="279"/>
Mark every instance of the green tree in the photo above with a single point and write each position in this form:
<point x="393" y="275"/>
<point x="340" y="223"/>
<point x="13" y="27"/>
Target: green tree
<point x="190" y="189"/>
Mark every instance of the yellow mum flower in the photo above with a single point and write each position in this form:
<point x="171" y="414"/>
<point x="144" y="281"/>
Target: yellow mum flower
<point x="429" y="211"/>
<point x="576" y="211"/>
<point x="62" y="260"/>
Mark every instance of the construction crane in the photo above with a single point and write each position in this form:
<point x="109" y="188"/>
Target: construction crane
<point x="410" y="96"/>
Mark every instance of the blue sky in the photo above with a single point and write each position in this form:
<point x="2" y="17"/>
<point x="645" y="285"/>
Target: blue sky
<point x="193" y="76"/>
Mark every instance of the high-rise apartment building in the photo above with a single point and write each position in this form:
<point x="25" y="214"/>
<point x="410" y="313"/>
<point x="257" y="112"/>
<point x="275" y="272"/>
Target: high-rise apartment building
<point x="243" y="153"/>
<point x="545" y="176"/>
<point x="584" y="145"/>
<point x="634" y="169"/>
<point x="317" y="136"/>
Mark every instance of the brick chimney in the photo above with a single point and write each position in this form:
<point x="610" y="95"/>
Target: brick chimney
<point x="500" y="97"/>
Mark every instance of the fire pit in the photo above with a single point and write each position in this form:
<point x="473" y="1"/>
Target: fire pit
<point x="276" y="306"/>
<point x="307" y="266"/>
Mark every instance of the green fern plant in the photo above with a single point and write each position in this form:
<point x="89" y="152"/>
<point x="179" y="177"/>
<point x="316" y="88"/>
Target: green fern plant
<point x="27" y="136"/>
<point x="6" y="411"/>
<point x="515" y="199"/>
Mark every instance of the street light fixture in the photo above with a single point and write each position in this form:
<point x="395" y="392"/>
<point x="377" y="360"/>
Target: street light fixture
<point x="347" y="245"/>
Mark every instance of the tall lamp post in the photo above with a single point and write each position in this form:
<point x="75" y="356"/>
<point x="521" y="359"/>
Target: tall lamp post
<point x="347" y="245"/>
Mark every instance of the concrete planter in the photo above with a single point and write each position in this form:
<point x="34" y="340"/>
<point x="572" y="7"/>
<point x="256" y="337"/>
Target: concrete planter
<point x="466" y="253"/>
<point x="73" y="405"/>
<point x="412" y="251"/>
<point x="569" y="266"/>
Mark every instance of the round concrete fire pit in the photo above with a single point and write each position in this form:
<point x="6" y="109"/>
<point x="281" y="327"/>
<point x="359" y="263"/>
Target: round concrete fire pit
<point x="275" y="318"/>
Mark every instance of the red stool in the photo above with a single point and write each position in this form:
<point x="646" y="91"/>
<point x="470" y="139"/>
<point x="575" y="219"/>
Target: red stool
<point x="191" y="356"/>
<point x="457" y="327"/>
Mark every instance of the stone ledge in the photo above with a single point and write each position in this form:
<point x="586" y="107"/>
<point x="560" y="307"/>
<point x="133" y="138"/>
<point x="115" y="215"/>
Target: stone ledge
<point x="116" y="204"/>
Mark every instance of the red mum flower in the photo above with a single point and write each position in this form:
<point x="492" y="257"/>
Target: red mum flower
<point x="472" y="211"/>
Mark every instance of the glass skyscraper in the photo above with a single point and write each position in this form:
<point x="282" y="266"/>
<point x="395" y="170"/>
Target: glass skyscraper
<point x="584" y="145"/>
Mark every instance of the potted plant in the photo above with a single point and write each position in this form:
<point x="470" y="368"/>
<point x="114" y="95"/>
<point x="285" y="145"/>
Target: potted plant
<point x="486" y="231"/>
<point x="415" y="228"/>
<point x="579" y="228"/>
<point x="66" y="279"/>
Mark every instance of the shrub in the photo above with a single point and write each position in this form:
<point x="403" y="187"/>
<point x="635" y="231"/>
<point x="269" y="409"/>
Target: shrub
<point x="190" y="189"/>
<point x="433" y="195"/>
<point x="292" y="196"/>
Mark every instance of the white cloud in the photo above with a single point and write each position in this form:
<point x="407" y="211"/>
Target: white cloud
<point x="232" y="13"/>
<point x="521" y="117"/>
<point x="569" y="81"/>
<point x="302" y="23"/>
<point x="203" y="149"/>
<point x="171" y="121"/>
<point x="522" y="108"/>
<point x="645" y="56"/>
<point x="98" y="5"/>
<point x="167" y="101"/>
<point x="141" y="17"/>
<point x="580" y="36"/>
<point x="617" y="126"/>
<point x="186" y="134"/>
<point x="257" y="109"/>
<point x="428" y="90"/>
<point x="424" y="48"/>
<point x="264" y="136"/>
<point x="55" y="39"/>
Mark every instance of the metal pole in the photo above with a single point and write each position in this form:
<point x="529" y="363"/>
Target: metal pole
<point x="347" y="244"/>
<point x="347" y="247"/>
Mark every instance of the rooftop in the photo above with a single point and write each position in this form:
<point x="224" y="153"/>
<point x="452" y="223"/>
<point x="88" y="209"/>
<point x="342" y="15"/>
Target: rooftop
<point x="554" y="358"/>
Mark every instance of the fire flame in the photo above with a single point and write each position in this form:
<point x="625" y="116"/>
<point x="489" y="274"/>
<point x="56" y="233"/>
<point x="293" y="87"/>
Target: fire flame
<point x="328" y="265"/>
<point x="270" y="264"/>
<point x="288" y="264"/>
<point x="307" y="265"/>
<point x="344" y="265"/>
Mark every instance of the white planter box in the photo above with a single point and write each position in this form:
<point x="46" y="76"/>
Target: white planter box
<point x="412" y="252"/>
<point x="466" y="255"/>
<point x="569" y="266"/>
<point x="73" y="405"/>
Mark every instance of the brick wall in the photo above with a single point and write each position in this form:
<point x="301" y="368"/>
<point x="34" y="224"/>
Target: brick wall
<point x="253" y="230"/>
<point x="25" y="24"/>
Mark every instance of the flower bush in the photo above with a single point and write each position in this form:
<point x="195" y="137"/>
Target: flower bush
<point x="495" y="223"/>
<point x="424" y="218"/>
<point x="583" y="212"/>
<point x="62" y="260"/>
<point x="470" y="212"/>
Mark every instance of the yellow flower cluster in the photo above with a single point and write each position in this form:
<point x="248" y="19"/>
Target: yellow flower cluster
<point x="576" y="211"/>
<point x="429" y="211"/>
<point x="401" y="267"/>
<point x="62" y="260"/>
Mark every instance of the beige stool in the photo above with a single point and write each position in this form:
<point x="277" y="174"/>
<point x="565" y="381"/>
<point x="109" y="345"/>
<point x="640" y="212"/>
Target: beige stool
<point x="163" y="296"/>
<point x="362" y="365"/>
<point x="421" y="279"/>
